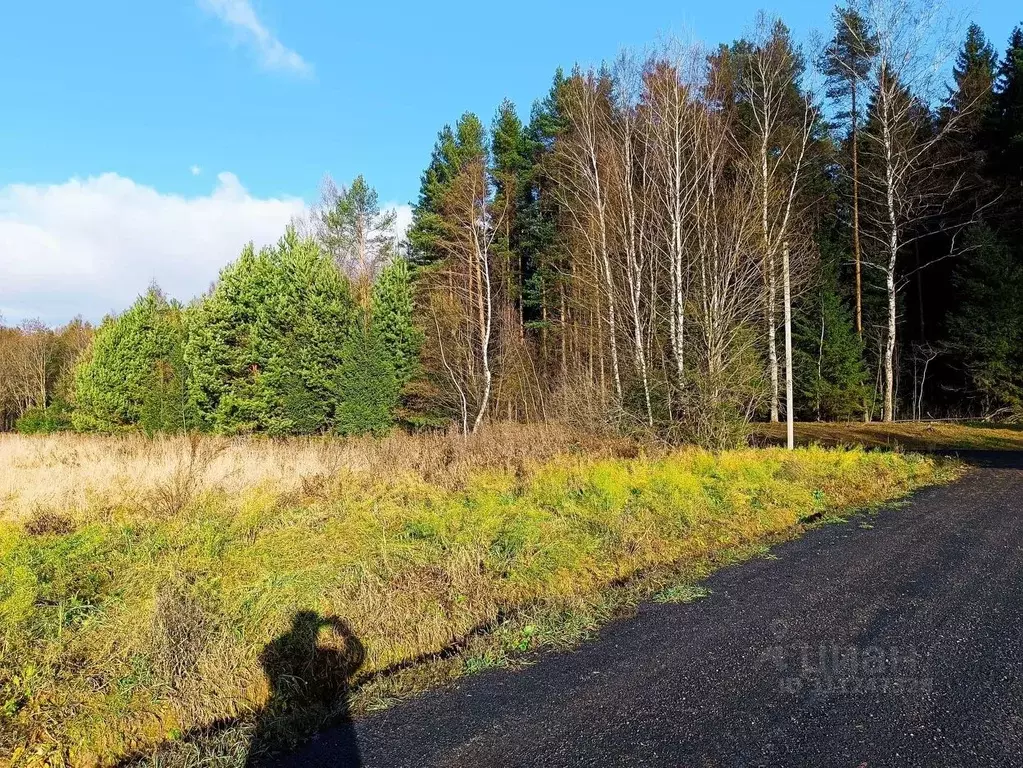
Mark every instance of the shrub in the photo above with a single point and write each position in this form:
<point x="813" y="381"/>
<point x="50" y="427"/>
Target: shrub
<point x="44" y="421"/>
<point x="44" y="522"/>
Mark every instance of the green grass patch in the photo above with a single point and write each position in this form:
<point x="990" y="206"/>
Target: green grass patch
<point x="134" y="631"/>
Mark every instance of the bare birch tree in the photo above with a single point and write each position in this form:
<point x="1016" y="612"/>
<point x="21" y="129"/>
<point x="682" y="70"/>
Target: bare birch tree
<point x="676" y="117"/>
<point x="580" y="166"/>
<point x="630" y="192"/>
<point x="781" y="128"/>
<point x="903" y="175"/>
<point x="469" y="286"/>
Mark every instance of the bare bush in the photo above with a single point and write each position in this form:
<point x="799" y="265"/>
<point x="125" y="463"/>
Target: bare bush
<point x="185" y="480"/>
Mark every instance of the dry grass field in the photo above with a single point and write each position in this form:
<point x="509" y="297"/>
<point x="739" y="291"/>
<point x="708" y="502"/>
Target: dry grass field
<point x="910" y="436"/>
<point x="82" y="475"/>
<point x="154" y="594"/>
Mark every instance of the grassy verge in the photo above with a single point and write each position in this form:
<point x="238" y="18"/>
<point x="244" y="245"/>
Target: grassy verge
<point x="912" y="436"/>
<point x="227" y="618"/>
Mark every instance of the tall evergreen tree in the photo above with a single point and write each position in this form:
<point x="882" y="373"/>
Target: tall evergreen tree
<point x="368" y="387"/>
<point x="509" y="150"/>
<point x="356" y="233"/>
<point x="393" y="320"/>
<point x="425" y="230"/>
<point x="846" y="63"/>
<point x="987" y="327"/>
<point x="972" y="95"/>
<point x="971" y="105"/>
<point x="830" y="375"/>
<point x="452" y="151"/>
<point x="265" y="347"/>
<point x="544" y="286"/>
<point x="133" y="372"/>
<point x="1006" y="156"/>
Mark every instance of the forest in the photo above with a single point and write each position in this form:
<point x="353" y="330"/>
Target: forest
<point x="620" y="261"/>
<point x="424" y="453"/>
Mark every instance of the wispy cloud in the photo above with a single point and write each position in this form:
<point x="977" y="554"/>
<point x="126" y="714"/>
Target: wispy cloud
<point x="240" y="16"/>
<point x="196" y="170"/>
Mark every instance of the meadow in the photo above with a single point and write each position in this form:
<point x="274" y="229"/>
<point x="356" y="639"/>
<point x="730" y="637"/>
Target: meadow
<point x="148" y="588"/>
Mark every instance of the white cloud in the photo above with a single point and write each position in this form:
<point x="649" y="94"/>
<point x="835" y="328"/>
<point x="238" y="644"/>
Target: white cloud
<point x="402" y="217"/>
<point x="196" y="170"/>
<point x="91" y="246"/>
<point x="273" y="54"/>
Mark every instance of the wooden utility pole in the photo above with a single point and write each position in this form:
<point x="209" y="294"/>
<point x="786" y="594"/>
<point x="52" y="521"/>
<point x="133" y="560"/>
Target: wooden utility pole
<point x="789" y="415"/>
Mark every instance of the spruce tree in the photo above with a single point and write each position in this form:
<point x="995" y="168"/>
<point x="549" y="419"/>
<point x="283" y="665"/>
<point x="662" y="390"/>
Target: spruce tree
<point x="987" y="327"/>
<point x="1006" y="136"/>
<point x="971" y="106"/>
<point x="972" y="96"/>
<point x="426" y="225"/>
<point x="830" y="375"/>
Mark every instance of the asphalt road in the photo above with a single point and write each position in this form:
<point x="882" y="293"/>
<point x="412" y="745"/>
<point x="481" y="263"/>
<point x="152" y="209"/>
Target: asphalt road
<point x="893" y="640"/>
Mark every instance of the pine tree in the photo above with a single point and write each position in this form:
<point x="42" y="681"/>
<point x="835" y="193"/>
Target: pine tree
<point x="133" y="372"/>
<point x="453" y="150"/>
<point x="393" y="320"/>
<point x="264" y="348"/>
<point x="846" y="63"/>
<point x="510" y="163"/>
<point x="543" y="259"/>
<point x="356" y="233"/>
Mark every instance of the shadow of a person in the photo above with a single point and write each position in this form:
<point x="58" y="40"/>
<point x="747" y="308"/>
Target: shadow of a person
<point x="309" y="687"/>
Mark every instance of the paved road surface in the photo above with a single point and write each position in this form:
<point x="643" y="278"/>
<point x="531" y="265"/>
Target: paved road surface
<point x="892" y="645"/>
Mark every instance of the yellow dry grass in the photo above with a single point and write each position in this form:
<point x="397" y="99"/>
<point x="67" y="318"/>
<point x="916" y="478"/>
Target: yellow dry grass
<point x="81" y="475"/>
<point x="909" y="435"/>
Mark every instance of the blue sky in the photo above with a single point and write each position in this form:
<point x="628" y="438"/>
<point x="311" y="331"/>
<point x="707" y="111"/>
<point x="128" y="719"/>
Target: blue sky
<point x="134" y="113"/>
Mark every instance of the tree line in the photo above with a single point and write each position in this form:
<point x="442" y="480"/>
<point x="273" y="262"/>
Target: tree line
<point x="620" y="256"/>
<point x="619" y="260"/>
<point x="313" y="334"/>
